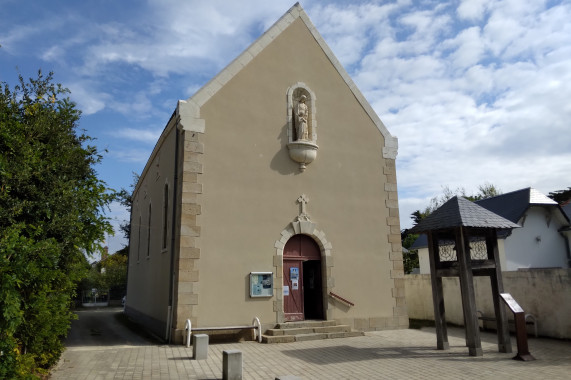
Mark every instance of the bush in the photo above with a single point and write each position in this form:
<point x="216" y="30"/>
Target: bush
<point x="51" y="213"/>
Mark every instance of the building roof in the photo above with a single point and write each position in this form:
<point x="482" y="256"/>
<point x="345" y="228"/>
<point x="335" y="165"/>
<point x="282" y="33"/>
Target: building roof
<point x="513" y="206"/>
<point x="460" y="212"/>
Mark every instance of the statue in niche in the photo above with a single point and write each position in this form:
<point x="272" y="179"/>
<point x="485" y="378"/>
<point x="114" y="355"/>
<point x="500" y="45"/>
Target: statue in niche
<point x="302" y="113"/>
<point x="302" y="136"/>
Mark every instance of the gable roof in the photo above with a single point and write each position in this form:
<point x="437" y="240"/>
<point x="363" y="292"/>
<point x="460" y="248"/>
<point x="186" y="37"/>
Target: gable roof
<point x="188" y="110"/>
<point x="460" y="212"/>
<point x="513" y="206"/>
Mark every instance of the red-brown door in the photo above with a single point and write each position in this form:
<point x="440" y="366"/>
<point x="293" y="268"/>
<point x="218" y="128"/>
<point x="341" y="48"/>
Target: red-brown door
<point x="302" y="253"/>
<point x="293" y="294"/>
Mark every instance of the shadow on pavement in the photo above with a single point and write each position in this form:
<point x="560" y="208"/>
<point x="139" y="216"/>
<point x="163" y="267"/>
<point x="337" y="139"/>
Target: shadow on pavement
<point x="337" y="354"/>
<point x="106" y="327"/>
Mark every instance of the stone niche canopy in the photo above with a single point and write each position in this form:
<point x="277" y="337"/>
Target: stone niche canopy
<point x="302" y="125"/>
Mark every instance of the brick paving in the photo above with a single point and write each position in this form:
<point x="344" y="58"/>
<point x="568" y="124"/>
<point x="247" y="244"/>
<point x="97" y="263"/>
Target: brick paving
<point x="397" y="354"/>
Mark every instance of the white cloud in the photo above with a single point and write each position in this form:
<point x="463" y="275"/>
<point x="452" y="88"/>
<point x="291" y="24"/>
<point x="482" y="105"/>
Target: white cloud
<point x="472" y="9"/>
<point x="484" y="103"/>
<point x="132" y="155"/>
<point x="87" y="101"/>
<point x="349" y="28"/>
<point x="476" y="90"/>
<point x="145" y="135"/>
<point x="469" y="48"/>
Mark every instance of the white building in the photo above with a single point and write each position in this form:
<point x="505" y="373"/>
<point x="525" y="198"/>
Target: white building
<point x="542" y="242"/>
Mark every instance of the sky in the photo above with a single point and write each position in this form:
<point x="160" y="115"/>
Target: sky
<point x="476" y="91"/>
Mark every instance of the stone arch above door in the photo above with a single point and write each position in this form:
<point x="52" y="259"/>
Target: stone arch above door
<point x="308" y="228"/>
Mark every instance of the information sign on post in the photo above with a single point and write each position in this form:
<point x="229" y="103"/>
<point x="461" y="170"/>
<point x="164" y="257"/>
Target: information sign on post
<point x="520" y="329"/>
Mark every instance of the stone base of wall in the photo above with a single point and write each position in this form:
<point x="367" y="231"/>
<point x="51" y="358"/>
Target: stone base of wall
<point x="375" y="323"/>
<point x="215" y="336"/>
<point x="154" y="326"/>
<point x="541" y="292"/>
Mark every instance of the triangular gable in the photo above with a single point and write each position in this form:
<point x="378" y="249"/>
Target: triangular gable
<point x="188" y="111"/>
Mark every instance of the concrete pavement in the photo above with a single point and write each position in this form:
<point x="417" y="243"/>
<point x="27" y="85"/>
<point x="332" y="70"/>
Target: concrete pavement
<point x="398" y="354"/>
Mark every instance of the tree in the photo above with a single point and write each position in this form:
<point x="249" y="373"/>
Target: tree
<point x="51" y="213"/>
<point x="487" y="190"/>
<point x="109" y="274"/>
<point x="410" y="257"/>
<point x="560" y="196"/>
<point x="125" y="198"/>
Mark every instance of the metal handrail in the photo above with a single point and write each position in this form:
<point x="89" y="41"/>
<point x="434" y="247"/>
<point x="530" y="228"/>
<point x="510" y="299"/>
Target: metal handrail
<point x="256" y="325"/>
<point x="188" y="328"/>
<point x="338" y="297"/>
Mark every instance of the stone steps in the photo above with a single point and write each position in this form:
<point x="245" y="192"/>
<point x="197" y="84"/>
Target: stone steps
<point x="307" y="330"/>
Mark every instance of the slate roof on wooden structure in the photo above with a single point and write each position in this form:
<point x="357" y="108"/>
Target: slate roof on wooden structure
<point x="460" y="212"/>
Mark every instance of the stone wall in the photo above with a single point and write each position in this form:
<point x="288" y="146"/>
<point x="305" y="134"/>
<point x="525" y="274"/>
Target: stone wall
<point x="545" y="293"/>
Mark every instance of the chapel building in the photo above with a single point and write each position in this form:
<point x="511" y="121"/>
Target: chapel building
<point x="271" y="193"/>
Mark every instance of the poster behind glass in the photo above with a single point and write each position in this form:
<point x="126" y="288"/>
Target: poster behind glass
<point x="261" y="284"/>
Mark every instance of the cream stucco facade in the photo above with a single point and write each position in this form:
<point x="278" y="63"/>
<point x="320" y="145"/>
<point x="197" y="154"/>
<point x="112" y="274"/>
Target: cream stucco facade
<point x="218" y="198"/>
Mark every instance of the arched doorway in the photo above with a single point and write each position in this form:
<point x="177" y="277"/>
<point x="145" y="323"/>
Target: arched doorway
<point x="303" y="296"/>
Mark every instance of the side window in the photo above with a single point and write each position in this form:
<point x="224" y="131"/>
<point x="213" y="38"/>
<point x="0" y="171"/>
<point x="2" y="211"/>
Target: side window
<point x="165" y="216"/>
<point x="149" y="232"/>
<point x="139" y="240"/>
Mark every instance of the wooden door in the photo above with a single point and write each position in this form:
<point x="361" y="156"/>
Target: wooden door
<point x="293" y="294"/>
<point x="298" y="252"/>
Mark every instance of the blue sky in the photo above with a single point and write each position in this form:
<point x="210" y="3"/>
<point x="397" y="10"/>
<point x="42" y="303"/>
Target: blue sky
<point x="476" y="91"/>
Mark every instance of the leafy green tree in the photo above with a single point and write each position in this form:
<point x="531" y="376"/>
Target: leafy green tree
<point x="410" y="258"/>
<point x="487" y="190"/>
<point x="560" y="196"/>
<point x="115" y="273"/>
<point x="124" y="197"/>
<point x="51" y="213"/>
<point x="108" y="274"/>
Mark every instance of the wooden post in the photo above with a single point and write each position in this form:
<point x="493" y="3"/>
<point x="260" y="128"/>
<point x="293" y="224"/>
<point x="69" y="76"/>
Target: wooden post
<point x="504" y="343"/>
<point x="437" y="295"/>
<point x="468" y="296"/>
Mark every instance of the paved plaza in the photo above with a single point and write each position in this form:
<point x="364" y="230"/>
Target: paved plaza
<point x="398" y="354"/>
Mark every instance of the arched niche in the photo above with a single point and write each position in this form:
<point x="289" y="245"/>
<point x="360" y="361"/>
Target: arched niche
<point x="302" y="124"/>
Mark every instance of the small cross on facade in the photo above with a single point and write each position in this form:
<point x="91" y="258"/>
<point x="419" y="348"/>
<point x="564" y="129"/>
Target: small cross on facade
<point x="303" y="199"/>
